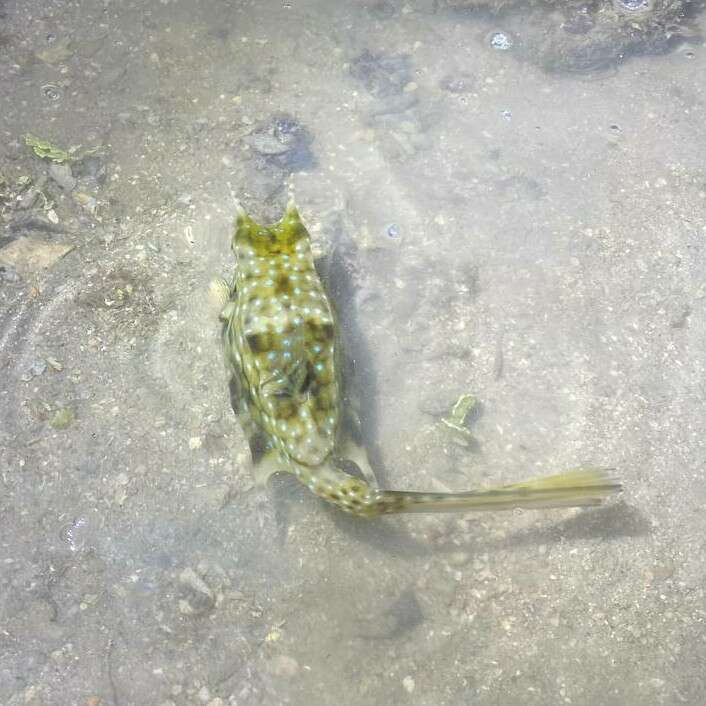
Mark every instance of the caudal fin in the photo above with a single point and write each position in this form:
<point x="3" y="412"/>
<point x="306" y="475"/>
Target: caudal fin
<point x="575" y="488"/>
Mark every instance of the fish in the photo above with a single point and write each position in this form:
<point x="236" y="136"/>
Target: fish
<point x="284" y="358"/>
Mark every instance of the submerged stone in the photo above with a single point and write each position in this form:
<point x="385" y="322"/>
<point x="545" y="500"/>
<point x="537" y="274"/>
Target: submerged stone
<point x="283" y="142"/>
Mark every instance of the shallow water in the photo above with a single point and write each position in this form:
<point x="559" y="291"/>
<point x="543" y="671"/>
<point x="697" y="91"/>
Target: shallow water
<point x="525" y="224"/>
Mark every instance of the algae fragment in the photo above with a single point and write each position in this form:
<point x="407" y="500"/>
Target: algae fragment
<point x="45" y="150"/>
<point x="459" y="414"/>
<point x="62" y="418"/>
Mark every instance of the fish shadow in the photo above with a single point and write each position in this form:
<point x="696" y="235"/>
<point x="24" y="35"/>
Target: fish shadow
<point x="611" y="522"/>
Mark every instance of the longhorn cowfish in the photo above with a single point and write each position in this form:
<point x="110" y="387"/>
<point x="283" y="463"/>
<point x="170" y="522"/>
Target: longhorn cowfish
<point x="284" y="358"/>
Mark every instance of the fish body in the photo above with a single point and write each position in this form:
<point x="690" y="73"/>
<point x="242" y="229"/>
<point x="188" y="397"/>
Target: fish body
<point x="283" y="355"/>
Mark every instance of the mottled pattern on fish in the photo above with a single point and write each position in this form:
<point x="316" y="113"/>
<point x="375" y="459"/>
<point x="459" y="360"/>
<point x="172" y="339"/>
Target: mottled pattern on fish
<point x="281" y="340"/>
<point x="282" y="351"/>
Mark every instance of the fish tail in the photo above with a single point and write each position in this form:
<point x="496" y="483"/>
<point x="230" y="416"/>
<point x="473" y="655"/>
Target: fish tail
<point x="575" y="488"/>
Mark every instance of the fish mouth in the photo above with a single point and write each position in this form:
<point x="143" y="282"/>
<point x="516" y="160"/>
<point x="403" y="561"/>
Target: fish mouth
<point x="280" y="238"/>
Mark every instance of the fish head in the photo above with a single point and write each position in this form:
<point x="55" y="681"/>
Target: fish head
<point x="285" y="237"/>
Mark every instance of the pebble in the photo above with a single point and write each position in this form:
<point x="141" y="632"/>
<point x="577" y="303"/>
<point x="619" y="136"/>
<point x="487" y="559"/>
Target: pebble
<point x="62" y="175"/>
<point x="393" y="230"/>
<point x="28" y="254"/>
<point x="189" y="578"/>
<point x="8" y="274"/>
<point x="463" y="83"/>
<point x="408" y="684"/>
<point x="284" y="142"/>
<point x="382" y="75"/>
<point x="28" y="199"/>
<point x="55" y="364"/>
<point x="91" y="167"/>
<point x="200" y="598"/>
<point x="35" y="369"/>
<point x="86" y="201"/>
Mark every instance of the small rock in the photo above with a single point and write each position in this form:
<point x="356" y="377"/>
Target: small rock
<point x="680" y="317"/>
<point x="198" y="597"/>
<point x="393" y="230"/>
<point x="86" y="201"/>
<point x="204" y="694"/>
<point x="26" y="222"/>
<point x="28" y="199"/>
<point x="284" y="142"/>
<point x="28" y="254"/>
<point x="216" y="702"/>
<point x="90" y="168"/>
<point x="461" y="83"/>
<point x="56" y="53"/>
<point x="55" y="364"/>
<point x="188" y="577"/>
<point x="382" y="75"/>
<point x="8" y="274"/>
<point x="408" y="684"/>
<point x="35" y="369"/>
<point x="61" y="174"/>
<point x="185" y="607"/>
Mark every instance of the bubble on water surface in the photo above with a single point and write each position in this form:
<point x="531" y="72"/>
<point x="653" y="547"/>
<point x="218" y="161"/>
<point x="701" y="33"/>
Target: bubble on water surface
<point x="52" y="91"/>
<point x="501" y="41"/>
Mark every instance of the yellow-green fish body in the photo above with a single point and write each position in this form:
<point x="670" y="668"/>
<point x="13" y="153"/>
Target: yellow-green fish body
<point x="282" y="353"/>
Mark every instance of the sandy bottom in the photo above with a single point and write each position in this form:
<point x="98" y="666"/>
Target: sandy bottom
<point x="530" y="233"/>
